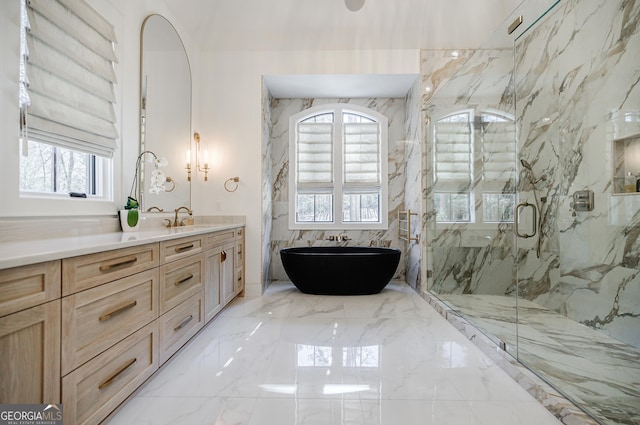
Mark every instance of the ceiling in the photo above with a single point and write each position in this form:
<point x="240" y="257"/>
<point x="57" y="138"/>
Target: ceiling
<point x="328" y="24"/>
<point x="258" y="25"/>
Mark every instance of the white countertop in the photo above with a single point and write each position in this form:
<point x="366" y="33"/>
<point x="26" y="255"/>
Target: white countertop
<point x="21" y="253"/>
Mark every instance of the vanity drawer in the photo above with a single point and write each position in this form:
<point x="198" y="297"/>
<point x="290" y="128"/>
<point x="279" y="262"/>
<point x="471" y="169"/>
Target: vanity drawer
<point x="215" y="239"/>
<point x="180" y="280"/>
<point x="94" y="320"/>
<point x="179" y="325"/>
<point x="179" y="248"/>
<point x="88" y="271"/>
<point x="28" y="286"/>
<point x="93" y="391"/>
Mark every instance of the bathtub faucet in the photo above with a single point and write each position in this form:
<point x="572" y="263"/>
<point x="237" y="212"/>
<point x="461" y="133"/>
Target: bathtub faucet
<point x="339" y="238"/>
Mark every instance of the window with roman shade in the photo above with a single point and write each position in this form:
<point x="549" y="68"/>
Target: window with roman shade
<point x="498" y="149"/>
<point x="474" y="163"/>
<point x="338" y="172"/>
<point x="453" y="164"/>
<point x="453" y="137"/>
<point x="67" y="96"/>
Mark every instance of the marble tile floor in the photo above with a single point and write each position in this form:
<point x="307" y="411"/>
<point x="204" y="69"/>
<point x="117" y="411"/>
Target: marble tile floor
<point x="290" y="358"/>
<point x="598" y="373"/>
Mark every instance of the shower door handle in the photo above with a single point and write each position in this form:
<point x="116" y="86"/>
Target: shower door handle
<point x="516" y="219"/>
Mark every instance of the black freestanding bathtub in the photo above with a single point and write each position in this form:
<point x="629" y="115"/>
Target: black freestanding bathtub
<point x="340" y="270"/>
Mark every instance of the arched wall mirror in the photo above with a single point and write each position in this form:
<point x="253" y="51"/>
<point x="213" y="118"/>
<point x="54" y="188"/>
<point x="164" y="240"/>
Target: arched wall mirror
<point x="165" y="111"/>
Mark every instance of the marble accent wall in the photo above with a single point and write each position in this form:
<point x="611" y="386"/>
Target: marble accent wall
<point x="267" y="196"/>
<point x="281" y="236"/>
<point x="473" y="257"/>
<point x="577" y="90"/>
<point x="413" y="181"/>
<point x="436" y="68"/>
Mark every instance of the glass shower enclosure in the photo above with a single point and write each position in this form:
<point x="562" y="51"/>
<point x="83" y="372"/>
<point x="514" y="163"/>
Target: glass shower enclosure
<point x="533" y="212"/>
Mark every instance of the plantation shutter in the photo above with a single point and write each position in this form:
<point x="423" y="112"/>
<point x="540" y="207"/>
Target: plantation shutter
<point x="453" y="150"/>
<point x="70" y="76"/>
<point x="314" y="154"/>
<point x="361" y="153"/>
<point x="499" y="149"/>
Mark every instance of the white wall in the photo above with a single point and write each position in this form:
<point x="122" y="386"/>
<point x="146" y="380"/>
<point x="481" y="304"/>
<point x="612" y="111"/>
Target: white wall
<point x="230" y="121"/>
<point x="127" y="17"/>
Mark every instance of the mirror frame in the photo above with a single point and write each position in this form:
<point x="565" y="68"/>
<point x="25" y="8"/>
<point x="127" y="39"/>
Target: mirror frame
<point x="142" y="143"/>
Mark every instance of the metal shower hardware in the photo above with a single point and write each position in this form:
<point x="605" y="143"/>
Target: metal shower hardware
<point x="404" y="226"/>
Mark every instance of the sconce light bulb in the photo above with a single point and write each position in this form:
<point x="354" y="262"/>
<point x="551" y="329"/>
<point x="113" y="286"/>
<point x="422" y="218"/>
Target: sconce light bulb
<point x="188" y="156"/>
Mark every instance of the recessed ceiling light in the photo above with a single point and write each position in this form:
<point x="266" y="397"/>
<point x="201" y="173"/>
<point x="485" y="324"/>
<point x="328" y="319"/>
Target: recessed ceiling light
<point x="354" y="5"/>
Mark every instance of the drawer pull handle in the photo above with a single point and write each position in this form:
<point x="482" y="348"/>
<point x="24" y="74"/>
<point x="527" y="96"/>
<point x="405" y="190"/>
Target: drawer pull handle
<point x="118" y="310"/>
<point x="121" y="262"/>
<point x="223" y="257"/>
<point x="183" y="280"/>
<point x="183" y="323"/>
<point x="184" y="248"/>
<point x="116" y="374"/>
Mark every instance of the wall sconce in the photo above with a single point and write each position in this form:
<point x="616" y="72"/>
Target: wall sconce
<point x="200" y="155"/>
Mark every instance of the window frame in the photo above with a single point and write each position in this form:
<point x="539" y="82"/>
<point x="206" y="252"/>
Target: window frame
<point x="338" y="188"/>
<point x="98" y="178"/>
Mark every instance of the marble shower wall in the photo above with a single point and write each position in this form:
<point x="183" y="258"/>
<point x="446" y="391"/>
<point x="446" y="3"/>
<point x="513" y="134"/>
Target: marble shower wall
<point x="413" y="180"/>
<point x="436" y="68"/>
<point x="281" y="236"/>
<point x="577" y="90"/>
<point x="474" y="257"/>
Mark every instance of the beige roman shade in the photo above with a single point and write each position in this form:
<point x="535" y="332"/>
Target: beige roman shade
<point x="314" y="154"/>
<point x="69" y="76"/>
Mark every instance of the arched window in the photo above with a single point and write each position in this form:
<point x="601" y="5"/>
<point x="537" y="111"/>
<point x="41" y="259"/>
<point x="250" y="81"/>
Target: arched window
<point x="474" y="165"/>
<point x="338" y="168"/>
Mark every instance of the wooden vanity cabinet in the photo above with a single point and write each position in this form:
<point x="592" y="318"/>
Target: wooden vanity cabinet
<point x="182" y="283"/>
<point x="180" y="248"/>
<point x="222" y="270"/>
<point x="109" y="331"/>
<point x="179" y="280"/>
<point x="92" y="391"/>
<point x="228" y="272"/>
<point x="30" y="334"/>
<point x="96" y="319"/>
<point x="87" y="331"/>
<point x="88" y="271"/>
<point x="212" y="294"/>
<point x="180" y="324"/>
<point x="31" y="339"/>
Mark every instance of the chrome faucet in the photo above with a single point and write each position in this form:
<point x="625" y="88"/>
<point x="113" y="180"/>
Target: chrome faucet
<point x="175" y="220"/>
